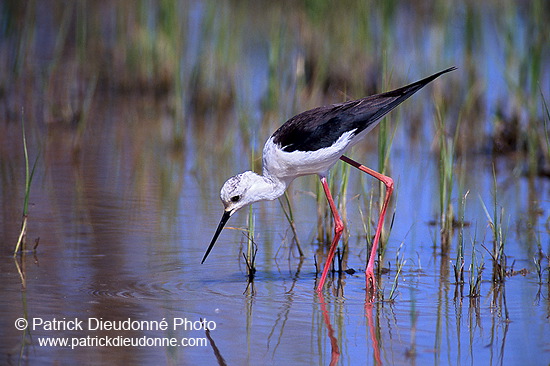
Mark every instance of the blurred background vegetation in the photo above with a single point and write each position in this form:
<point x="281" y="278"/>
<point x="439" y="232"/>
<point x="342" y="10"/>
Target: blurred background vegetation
<point x="206" y="82"/>
<point x="265" y="61"/>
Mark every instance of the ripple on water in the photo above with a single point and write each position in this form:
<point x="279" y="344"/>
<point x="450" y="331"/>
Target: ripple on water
<point x="132" y="290"/>
<point x="175" y="283"/>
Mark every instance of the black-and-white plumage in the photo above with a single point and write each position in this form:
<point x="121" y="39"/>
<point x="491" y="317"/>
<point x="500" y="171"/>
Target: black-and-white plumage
<point x="311" y="143"/>
<point x="322" y="126"/>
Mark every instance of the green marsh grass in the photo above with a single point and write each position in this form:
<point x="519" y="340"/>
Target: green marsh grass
<point x="21" y="241"/>
<point x="323" y="220"/>
<point x="400" y="263"/>
<point x="250" y="257"/>
<point x="524" y="71"/>
<point x="385" y="138"/>
<point x="386" y="135"/>
<point x="459" y="262"/>
<point x="344" y="173"/>
<point x="476" y="272"/>
<point x="496" y="223"/>
<point x="446" y="166"/>
<point x="289" y="215"/>
<point x="369" y="225"/>
<point x="383" y="163"/>
<point x="367" y="222"/>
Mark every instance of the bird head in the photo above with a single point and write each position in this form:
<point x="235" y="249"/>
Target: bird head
<point x="236" y="193"/>
<point x="240" y="191"/>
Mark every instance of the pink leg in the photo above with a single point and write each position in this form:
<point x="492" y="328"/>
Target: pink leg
<point x="338" y="228"/>
<point x="388" y="182"/>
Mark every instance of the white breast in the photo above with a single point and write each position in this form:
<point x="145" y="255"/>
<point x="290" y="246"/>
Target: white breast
<point x="289" y="165"/>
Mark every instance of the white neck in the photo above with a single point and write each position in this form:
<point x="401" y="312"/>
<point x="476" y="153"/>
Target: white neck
<point x="269" y="187"/>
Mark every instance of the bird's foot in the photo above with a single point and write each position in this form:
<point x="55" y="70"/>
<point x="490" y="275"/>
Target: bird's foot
<point x="371" y="284"/>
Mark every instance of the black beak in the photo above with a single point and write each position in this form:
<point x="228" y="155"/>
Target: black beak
<point x="225" y="217"/>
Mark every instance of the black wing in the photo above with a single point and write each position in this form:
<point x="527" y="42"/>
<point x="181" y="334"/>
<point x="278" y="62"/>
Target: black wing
<point x="322" y="126"/>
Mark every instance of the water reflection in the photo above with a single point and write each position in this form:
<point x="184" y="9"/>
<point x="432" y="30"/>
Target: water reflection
<point x="334" y="349"/>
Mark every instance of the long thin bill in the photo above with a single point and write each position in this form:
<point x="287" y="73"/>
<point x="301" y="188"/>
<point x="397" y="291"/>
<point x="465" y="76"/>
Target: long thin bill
<point x="225" y="217"/>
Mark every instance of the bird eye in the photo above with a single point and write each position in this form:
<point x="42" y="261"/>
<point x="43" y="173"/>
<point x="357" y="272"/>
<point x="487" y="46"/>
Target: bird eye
<point x="235" y="198"/>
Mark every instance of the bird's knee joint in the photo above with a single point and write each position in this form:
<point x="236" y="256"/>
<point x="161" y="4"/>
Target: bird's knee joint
<point x="389" y="184"/>
<point x="338" y="228"/>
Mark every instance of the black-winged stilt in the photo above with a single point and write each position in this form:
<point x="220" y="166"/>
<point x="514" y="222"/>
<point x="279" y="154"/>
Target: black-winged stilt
<point x="311" y="143"/>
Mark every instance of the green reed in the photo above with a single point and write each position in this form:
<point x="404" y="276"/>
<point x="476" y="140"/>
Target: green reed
<point x="400" y="263"/>
<point x="476" y="271"/>
<point x="383" y="162"/>
<point x="459" y="262"/>
<point x="496" y="223"/>
<point x="534" y="62"/>
<point x="21" y="241"/>
<point x="366" y="222"/>
<point x="446" y="181"/>
<point x="324" y="222"/>
<point x="342" y="195"/>
<point x="524" y="72"/>
<point x="289" y="215"/>
<point x="386" y="135"/>
<point x="250" y="257"/>
<point x="446" y="172"/>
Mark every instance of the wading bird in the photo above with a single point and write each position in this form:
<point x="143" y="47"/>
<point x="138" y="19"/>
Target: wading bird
<point x="311" y="143"/>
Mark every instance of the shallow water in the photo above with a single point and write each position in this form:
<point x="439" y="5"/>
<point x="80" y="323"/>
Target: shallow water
<point x="122" y="235"/>
<point x="123" y="212"/>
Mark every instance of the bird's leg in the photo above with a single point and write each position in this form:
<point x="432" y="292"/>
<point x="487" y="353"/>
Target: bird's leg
<point x="338" y="228"/>
<point x="388" y="182"/>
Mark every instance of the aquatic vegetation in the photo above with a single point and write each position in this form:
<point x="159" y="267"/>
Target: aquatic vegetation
<point x="476" y="272"/>
<point x="446" y="182"/>
<point x="459" y="262"/>
<point x="289" y="215"/>
<point x="250" y="256"/>
<point x="496" y="223"/>
<point x="399" y="263"/>
<point x="21" y="241"/>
